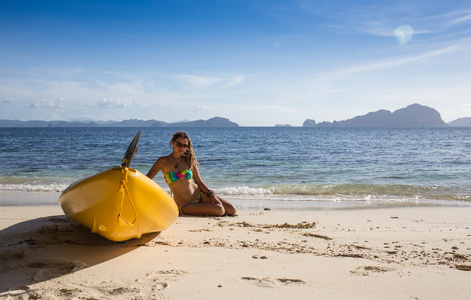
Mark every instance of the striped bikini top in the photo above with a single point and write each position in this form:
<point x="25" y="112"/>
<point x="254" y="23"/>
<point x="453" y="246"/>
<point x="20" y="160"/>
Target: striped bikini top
<point x="174" y="176"/>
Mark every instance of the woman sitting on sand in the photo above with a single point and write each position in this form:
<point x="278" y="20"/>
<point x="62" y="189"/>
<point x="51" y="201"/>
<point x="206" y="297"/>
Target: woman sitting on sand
<point x="192" y="197"/>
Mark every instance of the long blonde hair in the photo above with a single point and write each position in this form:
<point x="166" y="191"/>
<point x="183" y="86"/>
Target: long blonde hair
<point x="190" y="156"/>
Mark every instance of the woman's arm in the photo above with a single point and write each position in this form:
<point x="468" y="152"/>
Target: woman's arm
<point x="204" y="188"/>
<point x="155" y="168"/>
<point x="197" y="177"/>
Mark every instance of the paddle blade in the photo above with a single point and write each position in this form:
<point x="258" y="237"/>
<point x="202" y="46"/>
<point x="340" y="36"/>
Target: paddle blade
<point x="132" y="150"/>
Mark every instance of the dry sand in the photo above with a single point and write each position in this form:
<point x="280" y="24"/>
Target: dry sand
<point x="400" y="253"/>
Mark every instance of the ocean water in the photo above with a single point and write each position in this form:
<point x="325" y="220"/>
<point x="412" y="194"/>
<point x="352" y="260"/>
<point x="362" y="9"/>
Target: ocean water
<point x="275" y="168"/>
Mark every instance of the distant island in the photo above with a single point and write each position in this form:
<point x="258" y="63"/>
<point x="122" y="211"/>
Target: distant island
<point x="414" y="115"/>
<point x="461" y="122"/>
<point x="213" y="122"/>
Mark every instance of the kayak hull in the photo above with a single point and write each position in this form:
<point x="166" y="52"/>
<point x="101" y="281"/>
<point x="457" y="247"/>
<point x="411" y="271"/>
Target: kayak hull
<point x="120" y="204"/>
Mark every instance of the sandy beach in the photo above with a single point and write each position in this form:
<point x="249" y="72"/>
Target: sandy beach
<point x="394" y="253"/>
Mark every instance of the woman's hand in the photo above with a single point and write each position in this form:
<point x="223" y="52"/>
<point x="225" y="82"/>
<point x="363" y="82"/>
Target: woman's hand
<point x="214" y="199"/>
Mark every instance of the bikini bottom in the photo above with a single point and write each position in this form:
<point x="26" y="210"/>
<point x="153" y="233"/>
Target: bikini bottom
<point x="199" y="200"/>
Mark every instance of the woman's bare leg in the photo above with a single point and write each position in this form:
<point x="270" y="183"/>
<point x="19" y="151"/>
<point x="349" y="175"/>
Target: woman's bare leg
<point x="211" y="209"/>
<point x="201" y="209"/>
<point x="229" y="208"/>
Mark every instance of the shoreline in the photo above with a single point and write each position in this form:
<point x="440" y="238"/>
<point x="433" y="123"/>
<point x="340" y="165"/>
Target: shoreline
<point x="394" y="253"/>
<point x="23" y="198"/>
<point x="278" y="203"/>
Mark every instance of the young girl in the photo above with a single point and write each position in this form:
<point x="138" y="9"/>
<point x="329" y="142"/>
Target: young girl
<point x="180" y="170"/>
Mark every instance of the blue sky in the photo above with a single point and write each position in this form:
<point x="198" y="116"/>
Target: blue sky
<point x="258" y="63"/>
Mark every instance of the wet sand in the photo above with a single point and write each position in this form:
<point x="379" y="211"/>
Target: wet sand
<point x="394" y="253"/>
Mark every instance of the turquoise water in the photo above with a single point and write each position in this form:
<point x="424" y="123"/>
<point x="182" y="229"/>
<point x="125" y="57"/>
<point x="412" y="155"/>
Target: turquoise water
<point x="280" y="168"/>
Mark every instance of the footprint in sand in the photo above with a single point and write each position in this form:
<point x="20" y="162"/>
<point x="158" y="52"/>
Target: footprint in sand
<point x="159" y="286"/>
<point x="47" y="268"/>
<point x="125" y="290"/>
<point x="158" y="278"/>
<point x="167" y="273"/>
<point x="366" y="270"/>
<point x="270" y="282"/>
<point x="265" y="282"/>
<point x="148" y="287"/>
<point x="12" y="255"/>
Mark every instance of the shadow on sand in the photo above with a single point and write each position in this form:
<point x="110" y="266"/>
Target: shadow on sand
<point x="49" y="247"/>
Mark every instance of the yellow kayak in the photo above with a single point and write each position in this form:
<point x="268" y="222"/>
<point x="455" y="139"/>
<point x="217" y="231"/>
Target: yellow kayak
<point x="120" y="203"/>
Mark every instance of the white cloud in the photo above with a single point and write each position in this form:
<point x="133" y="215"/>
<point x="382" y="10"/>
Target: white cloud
<point x="385" y="22"/>
<point x="46" y="103"/>
<point x="111" y="102"/>
<point x="461" y="19"/>
<point x="197" y="82"/>
<point x="375" y="28"/>
<point x="390" y="63"/>
<point x="450" y="19"/>
<point x="236" y="80"/>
